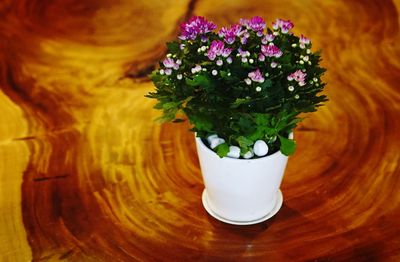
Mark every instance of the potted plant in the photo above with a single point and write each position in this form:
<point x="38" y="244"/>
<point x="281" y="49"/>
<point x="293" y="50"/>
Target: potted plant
<point x="243" y="88"/>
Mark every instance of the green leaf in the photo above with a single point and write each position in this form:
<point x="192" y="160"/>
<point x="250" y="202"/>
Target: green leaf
<point x="201" y="122"/>
<point x="222" y="150"/>
<point x="170" y="105"/>
<point x="173" y="47"/>
<point x="240" y="101"/>
<point x="267" y="83"/>
<point x="261" y="119"/>
<point x="167" y="116"/>
<point x="200" y="80"/>
<point x="288" y="146"/>
<point x="244" y="141"/>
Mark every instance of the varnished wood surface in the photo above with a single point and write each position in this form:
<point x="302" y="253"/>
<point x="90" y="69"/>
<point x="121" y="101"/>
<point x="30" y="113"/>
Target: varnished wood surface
<point x="85" y="175"/>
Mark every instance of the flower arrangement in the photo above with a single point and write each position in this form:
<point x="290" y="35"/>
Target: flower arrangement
<point x="243" y="87"/>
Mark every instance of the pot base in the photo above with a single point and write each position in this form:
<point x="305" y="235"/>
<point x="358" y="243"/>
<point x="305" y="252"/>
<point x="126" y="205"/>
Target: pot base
<point x="278" y="205"/>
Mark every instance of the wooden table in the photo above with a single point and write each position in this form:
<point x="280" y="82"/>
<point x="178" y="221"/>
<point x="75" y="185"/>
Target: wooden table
<point x="86" y="175"/>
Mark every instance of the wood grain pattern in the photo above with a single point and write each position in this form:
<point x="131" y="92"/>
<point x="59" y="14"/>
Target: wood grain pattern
<point x="86" y="175"/>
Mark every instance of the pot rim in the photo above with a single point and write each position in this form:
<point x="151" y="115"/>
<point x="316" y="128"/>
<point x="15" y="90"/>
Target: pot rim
<point x="208" y="150"/>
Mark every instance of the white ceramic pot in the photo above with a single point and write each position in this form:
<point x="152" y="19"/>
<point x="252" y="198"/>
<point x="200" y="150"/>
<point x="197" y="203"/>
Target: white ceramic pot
<point x="241" y="191"/>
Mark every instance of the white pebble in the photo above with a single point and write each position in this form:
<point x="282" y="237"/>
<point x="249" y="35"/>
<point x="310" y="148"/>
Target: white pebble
<point x="248" y="155"/>
<point x="234" y="152"/>
<point x="216" y="142"/>
<point x="260" y="148"/>
<point x="211" y="137"/>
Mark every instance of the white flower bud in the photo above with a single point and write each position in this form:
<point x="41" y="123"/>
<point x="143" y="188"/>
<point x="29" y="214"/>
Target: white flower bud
<point x="214" y="72"/>
<point x="179" y="76"/>
<point x="258" y="88"/>
<point x="291" y="88"/>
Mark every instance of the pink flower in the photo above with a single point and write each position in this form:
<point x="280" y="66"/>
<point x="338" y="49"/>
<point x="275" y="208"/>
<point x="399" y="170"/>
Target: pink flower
<point x="230" y="34"/>
<point x="298" y="76"/>
<point x="170" y="63"/>
<point x="243" y="53"/>
<point x="217" y="48"/>
<point x="267" y="38"/>
<point x="271" y="50"/>
<point x="197" y="25"/>
<point x="257" y="24"/>
<point x="244" y="22"/>
<point x="256" y="76"/>
<point x="284" y="25"/>
<point x="304" y="41"/>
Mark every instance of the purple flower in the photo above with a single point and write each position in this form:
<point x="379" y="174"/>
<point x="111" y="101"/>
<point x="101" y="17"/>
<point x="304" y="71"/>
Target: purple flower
<point x="256" y="76"/>
<point x="197" y="25"/>
<point x="257" y="24"/>
<point x="244" y="22"/>
<point x="304" y="41"/>
<point x="243" y="53"/>
<point x="267" y="38"/>
<point x="284" y="25"/>
<point x="230" y="34"/>
<point x="298" y="76"/>
<point x="271" y="50"/>
<point x="217" y="48"/>
<point x="170" y="63"/>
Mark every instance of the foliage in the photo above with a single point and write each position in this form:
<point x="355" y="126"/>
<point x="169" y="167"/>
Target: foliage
<point x="240" y="83"/>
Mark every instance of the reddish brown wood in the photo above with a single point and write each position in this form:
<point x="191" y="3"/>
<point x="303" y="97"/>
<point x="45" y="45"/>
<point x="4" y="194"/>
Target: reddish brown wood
<point x="103" y="182"/>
